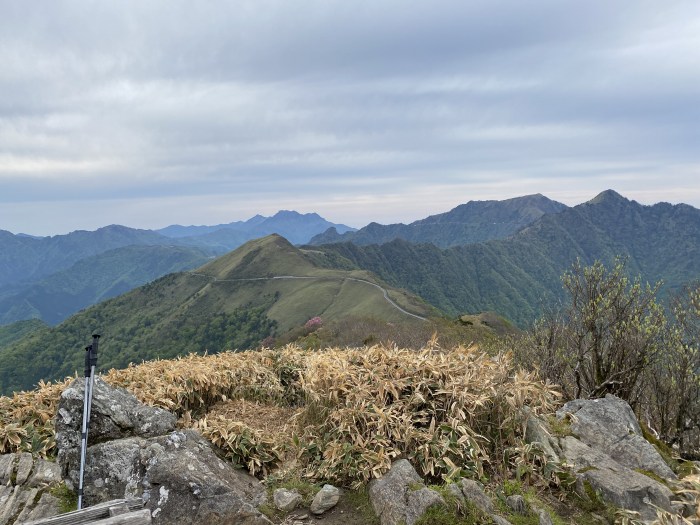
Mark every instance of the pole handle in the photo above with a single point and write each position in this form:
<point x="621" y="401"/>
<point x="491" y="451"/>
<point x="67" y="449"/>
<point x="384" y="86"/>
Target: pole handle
<point x="93" y="350"/>
<point x="88" y="349"/>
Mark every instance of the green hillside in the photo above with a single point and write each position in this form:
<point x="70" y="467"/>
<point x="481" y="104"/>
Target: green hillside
<point x="29" y="259"/>
<point x="266" y="287"/>
<point x="94" y="279"/>
<point x="520" y="276"/>
<point x="53" y="277"/>
<point x="16" y="331"/>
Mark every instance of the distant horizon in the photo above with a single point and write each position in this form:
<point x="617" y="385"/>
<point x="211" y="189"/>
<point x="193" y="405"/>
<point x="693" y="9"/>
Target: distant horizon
<point x="332" y="219"/>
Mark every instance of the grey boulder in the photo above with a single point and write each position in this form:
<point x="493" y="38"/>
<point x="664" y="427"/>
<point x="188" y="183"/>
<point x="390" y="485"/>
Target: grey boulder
<point x="400" y="496"/>
<point x="115" y="414"/>
<point x="609" y="424"/>
<point x="286" y="500"/>
<point x="179" y="477"/>
<point x="621" y="486"/>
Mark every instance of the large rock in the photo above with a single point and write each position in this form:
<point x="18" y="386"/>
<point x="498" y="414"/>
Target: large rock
<point x="474" y="492"/>
<point x="400" y="496"/>
<point x="609" y="424"/>
<point x="325" y="499"/>
<point x="179" y="477"/>
<point x="537" y="431"/>
<point x="115" y="414"/>
<point x="616" y="484"/>
<point x="135" y="452"/>
<point x="286" y="500"/>
<point x="7" y="467"/>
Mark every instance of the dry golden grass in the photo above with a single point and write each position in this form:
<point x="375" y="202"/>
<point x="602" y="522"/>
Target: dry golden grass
<point x="344" y="414"/>
<point x="271" y="420"/>
<point x="450" y="412"/>
<point x="26" y="419"/>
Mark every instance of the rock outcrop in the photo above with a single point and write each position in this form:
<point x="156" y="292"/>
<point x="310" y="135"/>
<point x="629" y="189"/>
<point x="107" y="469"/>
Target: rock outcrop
<point x="607" y="451"/>
<point x="135" y="452"/>
<point x="609" y="425"/>
<point x="115" y="415"/>
<point x="24" y="488"/>
<point x="614" y="482"/>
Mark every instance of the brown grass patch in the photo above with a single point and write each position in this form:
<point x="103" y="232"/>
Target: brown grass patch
<point x="271" y="420"/>
<point x="451" y="412"/>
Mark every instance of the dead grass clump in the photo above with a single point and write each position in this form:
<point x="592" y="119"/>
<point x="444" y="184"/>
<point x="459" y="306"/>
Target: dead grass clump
<point x="343" y="414"/>
<point x="450" y="412"/>
<point x="271" y="420"/>
<point x="26" y="419"/>
<point x="194" y="383"/>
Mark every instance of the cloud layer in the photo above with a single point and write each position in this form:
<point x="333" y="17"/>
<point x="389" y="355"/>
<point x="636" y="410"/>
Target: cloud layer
<point x="151" y="113"/>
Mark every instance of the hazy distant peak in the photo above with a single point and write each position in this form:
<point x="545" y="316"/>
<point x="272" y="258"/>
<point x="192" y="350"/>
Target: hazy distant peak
<point x="282" y="214"/>
<point x="537" y="197"/>
<point x="256" y="219"/>
<point x="606" y="196"/>
<point x="292" y="214"/>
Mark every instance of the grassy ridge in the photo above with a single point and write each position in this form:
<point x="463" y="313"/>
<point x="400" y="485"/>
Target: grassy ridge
<point x="234" y="302"/>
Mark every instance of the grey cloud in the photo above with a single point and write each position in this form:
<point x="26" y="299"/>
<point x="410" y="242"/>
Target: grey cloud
<point x="335" y="100"/>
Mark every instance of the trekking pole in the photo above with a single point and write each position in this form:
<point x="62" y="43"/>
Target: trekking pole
<point x="90" y="364"/>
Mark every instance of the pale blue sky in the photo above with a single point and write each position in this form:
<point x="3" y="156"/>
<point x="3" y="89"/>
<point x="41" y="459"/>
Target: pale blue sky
<point x="160" y="112"/>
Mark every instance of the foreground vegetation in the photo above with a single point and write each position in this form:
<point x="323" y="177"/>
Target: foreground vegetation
<point x="296" y="417"/>
<point x="451" y="412"/>
<point x="613" y="336"/>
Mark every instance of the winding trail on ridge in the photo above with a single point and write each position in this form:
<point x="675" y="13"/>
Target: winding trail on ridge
<point x="383" y="290"/>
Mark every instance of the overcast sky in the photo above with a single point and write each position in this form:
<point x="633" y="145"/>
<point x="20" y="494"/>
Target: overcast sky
<point x="149" y="113"/>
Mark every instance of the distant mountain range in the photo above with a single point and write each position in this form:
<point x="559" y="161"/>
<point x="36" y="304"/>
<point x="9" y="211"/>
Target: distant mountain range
<point x="51" y="278"/>
<point x="519" y="276"/>
<point x="293" y="226"/>
<point x="266" y="287"/>
<point x="475" y="221"/>
<point x="93" y="279"/>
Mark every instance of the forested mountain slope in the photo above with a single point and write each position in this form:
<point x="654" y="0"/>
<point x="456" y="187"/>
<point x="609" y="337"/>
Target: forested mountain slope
<point x="93" y="279"/>
<point x="518" y="277"/>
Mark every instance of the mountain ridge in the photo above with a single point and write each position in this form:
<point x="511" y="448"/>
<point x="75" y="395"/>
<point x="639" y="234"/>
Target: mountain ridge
<point x="291" y="224"/>
<point x="93" y="279"/>
<point x="518" y="276"/>
<point x="26" y="262"/>
<point x="475" y="221"/>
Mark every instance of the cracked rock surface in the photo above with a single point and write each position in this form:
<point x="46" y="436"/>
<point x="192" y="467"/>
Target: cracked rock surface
<point x="135" y="452"/>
